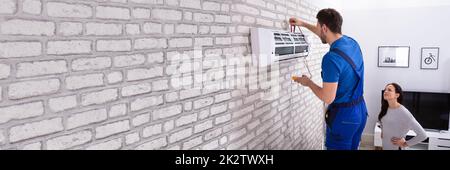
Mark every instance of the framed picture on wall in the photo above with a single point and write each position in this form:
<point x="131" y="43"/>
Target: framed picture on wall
<point x="393" y="56"/>
<point x="430" y="58"/>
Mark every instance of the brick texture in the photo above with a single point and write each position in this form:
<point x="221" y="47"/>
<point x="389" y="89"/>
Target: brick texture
<point x="124" y="74"/>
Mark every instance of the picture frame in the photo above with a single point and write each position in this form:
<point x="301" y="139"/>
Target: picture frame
<point x="429" y="59"/>
<point x="394" y="56"/>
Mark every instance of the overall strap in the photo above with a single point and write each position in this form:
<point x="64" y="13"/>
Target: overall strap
<point x="358" y="89"/>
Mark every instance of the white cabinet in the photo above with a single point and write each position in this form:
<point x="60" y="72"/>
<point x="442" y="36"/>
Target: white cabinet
<point x="439" y="143"/>
<point x="377" y="137"/>
<point x="436" y="140"/>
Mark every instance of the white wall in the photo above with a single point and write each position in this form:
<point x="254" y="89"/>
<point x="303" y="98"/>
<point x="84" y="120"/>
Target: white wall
<point x="410" y="23"/>
<point x="389" y="4"/>
<point x="337" y="4"/>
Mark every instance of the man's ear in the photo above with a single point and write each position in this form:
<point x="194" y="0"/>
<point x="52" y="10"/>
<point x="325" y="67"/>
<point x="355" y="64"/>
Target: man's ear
<point x="325" y="28"/>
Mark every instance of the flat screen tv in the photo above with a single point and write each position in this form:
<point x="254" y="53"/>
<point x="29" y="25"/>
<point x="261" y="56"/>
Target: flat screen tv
<point x="431" y="110"/>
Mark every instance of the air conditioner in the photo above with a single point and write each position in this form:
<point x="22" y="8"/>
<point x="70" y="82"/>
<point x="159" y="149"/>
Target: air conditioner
<point x="271" y="46"/>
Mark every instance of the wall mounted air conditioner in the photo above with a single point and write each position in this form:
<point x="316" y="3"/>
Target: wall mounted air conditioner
<point x="270" y="46"/>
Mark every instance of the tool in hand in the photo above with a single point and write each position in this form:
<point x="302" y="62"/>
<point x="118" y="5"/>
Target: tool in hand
<point x="293" y="30"/>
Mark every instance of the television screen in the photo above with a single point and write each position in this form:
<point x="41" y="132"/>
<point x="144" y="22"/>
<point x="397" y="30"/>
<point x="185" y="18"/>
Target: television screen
<point x="431" y="110"/>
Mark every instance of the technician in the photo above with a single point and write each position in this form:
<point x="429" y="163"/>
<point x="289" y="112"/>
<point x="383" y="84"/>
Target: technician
<point x="343" y="82"/>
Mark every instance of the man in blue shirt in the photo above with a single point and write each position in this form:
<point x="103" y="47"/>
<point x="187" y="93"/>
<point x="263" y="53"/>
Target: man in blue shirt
<point x="343" y="82"/>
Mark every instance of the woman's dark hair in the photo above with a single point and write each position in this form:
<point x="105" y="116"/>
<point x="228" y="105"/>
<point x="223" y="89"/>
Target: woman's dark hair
<point x="331" y="18"/>
<point x="385" y="104"/>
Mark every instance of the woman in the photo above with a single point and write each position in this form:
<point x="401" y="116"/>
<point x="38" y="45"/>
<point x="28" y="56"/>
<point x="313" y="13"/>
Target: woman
<point x="396" y="121"/>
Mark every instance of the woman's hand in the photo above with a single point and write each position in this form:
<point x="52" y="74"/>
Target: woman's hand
<point x="401" y="142"/>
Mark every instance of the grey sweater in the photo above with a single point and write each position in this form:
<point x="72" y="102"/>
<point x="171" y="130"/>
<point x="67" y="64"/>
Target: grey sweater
<point x="396" y="123"/>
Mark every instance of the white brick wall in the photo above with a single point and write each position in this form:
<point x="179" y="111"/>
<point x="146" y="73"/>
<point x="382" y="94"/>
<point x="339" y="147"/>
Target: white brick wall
<point x="113" y="45"/>
<point x="83" y="81"/>
<point x="62" y="103"/>
<point x="186" y="29"/>
<point x="211" y="6"/>
<point x="33" y="146"/>
<point x="118" y="74"/>
<point x="140" y="119"/>
<point x="26" y="89"/>
<point x="99" y="97"/>
<point x="41" y="68"/>
<point x="167" y="112"/>
<point x="200" y="17"/>
<point x="180" y="42"/>
<point x="27" y="27"/>
<point x="186" y="119"/>
<point x="191" y="4"/>
<point x="203" y="126"/>
<point x="145" y="102"/>
<point x="136" y="89"/>
<point x="132" y="138"/>
<point x="152" y="28"/>
<point x="112" y="128"/>
<point x="203" y="102"/>
<point x="8" y="6"/>
<point x="33" y="129"/>
<point x="58" y="9"/>
<point x="141" y="74"/>
<point x="32" y="6"/>
<point x="132" y="29"/>
<point x="103" y="29"/>
<point x="115" y="77"/>
<point x="114" y="144"/>
<point x="85" y="118"/>
<point x="153" y="145"/>
<point x="182" y="134"/>
<point x="152" y="130"/>
<point x="2" y="137"/>
<point x="20" y="49"/>
<point x="166" y="14"/>
<point x="141" y="13"/>
<point x="203" y="42"/>
<point x="149" y="43"/>
<point x="69" y="47"/>
<point x="5" y="71"/>
<point x="109" y="12"/>
<point x="68" y="141"/>
<point x="129" y="60"/>
<point x="193" y="142"/>
<point x="21" y="111"/>
<point x="70" y="28"/>
<point x="160" y="85"/>
<point x="118" y="110"/>
<point x="96" y="63"/>
<point x="147" y="1"/>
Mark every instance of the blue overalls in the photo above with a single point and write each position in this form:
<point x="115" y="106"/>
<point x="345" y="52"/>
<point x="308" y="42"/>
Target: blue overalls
<point x="346" y="121"/>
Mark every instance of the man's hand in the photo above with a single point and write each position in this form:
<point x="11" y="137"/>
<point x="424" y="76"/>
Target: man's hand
<point x="301" y="23"/>
<point x="401" y="142"/>
<point x="296" y="22"/>
<point x="304" y="80"/>
<point x="326" y="94"/>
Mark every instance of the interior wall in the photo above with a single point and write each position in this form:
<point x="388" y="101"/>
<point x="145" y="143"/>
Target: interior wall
<point x="399" y="23"/>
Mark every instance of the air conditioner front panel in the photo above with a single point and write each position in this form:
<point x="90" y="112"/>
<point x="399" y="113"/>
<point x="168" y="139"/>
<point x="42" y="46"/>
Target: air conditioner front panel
<point x="270" y="46"/>
<point x="280" y="51"/>
<point x="263" y="53"/>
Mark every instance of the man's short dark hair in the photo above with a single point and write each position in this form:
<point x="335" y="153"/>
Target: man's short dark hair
<point x="331" y="18"/>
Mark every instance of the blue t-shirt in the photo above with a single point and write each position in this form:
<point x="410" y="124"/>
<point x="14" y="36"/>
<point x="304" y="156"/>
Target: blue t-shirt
<point x="336" y="70"/>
